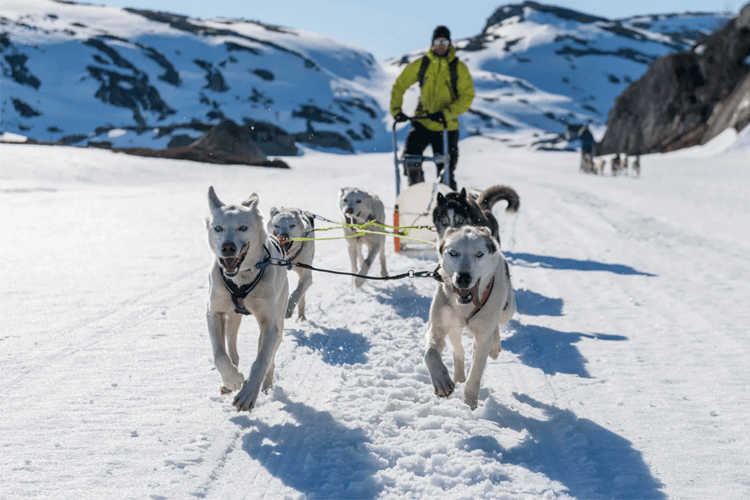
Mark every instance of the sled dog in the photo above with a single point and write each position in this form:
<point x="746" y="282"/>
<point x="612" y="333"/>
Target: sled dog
<point x="473" y="207"/>
<point x="239" y="241"/>
<point x="358" y="207"/>
<point x="285" y="224"/>
<point x="475" y="295"/>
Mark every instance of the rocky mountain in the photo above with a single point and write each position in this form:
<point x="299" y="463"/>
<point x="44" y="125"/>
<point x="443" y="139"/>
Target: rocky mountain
<point x="686" y="98"/>
<point x="84" y="74"/>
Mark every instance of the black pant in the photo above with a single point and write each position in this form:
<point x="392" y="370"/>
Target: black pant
<point x="417" y="140"/>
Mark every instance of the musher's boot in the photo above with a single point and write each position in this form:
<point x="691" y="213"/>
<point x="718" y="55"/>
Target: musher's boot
<point x="414" y="173"/>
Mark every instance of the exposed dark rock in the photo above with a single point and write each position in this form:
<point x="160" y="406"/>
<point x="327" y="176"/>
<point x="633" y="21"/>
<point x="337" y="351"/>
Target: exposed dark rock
<point x="332" y="140"/>
<point x="734" y="111"/>
<point x="214" y="79"/>
<point x="180" y="140"/>
<point x="264" y="74"/>
<point x="24" y="109"/>
<point x="687" y="98"/>
<point x="272" y="140"/>
<point x="19" y="72"/>
<point x="228" y="138"/>
<point x="202" y="155"/>
<point x="315" y="114"/>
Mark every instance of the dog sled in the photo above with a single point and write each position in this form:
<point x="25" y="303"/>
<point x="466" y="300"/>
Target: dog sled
<point x="415" y="202"/>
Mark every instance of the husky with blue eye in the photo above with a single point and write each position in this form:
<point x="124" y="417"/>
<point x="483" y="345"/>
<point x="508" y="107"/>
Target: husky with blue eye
<point x="473" y="208"/>
<point x="475" y="295"/>
<point x="243" y="282"/>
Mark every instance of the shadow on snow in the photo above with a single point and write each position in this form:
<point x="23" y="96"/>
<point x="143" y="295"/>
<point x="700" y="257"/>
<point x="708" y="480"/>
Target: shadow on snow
<point x="552" y="351"/>
<point x="405" y="301"/>
<point x="589" y="460"/>
<point x="534" y="304"/>
<point x="336" y="346"/>
<point x="313" y="453"/>
<point x="546" y="261"/>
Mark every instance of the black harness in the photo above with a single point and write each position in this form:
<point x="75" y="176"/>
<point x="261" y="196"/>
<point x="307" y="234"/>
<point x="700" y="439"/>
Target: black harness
<point x="240" y="293"/>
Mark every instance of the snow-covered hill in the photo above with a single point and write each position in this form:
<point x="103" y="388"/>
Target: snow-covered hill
<point x="81" y="73"/>
<point x="538" y="68"/>
<point x="77" y="72"/>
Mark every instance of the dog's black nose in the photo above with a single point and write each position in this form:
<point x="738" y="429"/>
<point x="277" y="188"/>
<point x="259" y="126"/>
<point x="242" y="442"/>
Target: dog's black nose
<point x="228" y="248"/>
<point x="463" y="280"/>
<point x="349" y="210"/>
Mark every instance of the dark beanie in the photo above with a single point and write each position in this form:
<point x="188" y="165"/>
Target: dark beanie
<point x="441" y="32"/>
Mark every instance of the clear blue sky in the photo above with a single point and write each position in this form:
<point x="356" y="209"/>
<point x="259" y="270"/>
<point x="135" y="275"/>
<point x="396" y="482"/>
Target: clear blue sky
<point x="390" y="28"/>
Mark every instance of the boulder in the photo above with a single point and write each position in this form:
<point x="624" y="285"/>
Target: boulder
<point x="685" y="99"/>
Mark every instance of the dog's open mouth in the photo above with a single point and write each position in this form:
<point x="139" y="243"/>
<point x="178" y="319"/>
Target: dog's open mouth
<point x="351" y="218"/>
<point x="231" y="265"/>
<point x="465" y="295"/>
<point x="468" y="295"/>
<point x="285" y="242"/>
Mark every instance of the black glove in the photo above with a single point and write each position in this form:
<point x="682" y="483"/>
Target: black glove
<point x="400" y="117"/>
<point x="437" y="117"/>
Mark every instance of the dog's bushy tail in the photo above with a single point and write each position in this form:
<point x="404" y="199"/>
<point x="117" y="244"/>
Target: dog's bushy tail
<point x="493" y="194"/>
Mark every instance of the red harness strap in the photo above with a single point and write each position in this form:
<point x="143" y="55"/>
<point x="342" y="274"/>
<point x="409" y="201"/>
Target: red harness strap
<point x="484" y="299"/>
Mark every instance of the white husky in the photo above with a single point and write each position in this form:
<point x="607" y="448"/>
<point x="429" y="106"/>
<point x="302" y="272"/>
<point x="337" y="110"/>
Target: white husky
<point x="286" y="224"/>
<point x="475" y="295"/>
<point x="358" y="207"/>
<point x="239" y="241"/>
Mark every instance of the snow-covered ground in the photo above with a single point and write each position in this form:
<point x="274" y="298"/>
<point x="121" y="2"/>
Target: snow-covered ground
<point x="624" y="373"/>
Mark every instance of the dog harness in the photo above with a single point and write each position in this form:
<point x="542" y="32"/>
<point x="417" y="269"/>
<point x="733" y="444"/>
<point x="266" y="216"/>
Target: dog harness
<point x="239" y="293"/>
<point x="478" y="307"/>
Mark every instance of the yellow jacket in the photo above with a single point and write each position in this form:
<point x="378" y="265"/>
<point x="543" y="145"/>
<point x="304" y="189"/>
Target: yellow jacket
<point x="437" y="93"/>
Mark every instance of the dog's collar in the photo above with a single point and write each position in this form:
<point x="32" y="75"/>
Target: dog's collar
<point x="478" y="307"/>
<point x="239" y="293"/>
<point x="296" y="254"/>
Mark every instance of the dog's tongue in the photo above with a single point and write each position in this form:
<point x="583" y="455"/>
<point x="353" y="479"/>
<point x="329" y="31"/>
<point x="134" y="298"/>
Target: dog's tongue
<point x="469" y="294"/>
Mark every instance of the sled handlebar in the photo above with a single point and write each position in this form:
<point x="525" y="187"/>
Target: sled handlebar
<point x="417" y="117"/>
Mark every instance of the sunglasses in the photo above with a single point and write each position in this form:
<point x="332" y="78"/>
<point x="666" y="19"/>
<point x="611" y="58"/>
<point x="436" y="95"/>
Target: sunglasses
<point x="441" y="43"/>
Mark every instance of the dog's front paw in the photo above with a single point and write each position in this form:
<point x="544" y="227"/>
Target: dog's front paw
<point x="443" y="384"/>
<point x="471" y="400"/>
<point x="301" y="317"/>
<point x="246" y="398"/>
<point x="232" y="381"/>
<point x="358" y="282"/>
<point x="289" y="313"/>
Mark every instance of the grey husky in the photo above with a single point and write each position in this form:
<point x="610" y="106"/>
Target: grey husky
<point x="358" y="207"/>
<point x="287" y="224"/>
<point x="475" y="295"/>
<point x="237" y="287"/>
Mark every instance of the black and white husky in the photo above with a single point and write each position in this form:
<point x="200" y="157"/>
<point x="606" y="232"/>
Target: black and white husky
<point x="237" y="287"/>
<point x="287" y="224"/>
<point x="475" y="295"/>
<point x="473" y="208"/>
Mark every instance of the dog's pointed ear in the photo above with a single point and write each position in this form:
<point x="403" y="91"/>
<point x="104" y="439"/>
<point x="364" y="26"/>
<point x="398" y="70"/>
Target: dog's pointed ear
<point x="252" y="199"/>
<point x="440" y="199"/>
<point x="462" y="195"/>
<point x="273" y="212"/>
<point x="213" y="201"/>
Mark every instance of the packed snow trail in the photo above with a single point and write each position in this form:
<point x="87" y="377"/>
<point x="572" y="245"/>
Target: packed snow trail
<point x="623" y="374"/>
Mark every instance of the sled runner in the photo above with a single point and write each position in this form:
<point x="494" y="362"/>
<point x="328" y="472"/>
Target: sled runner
<point x="415" y="203"/>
